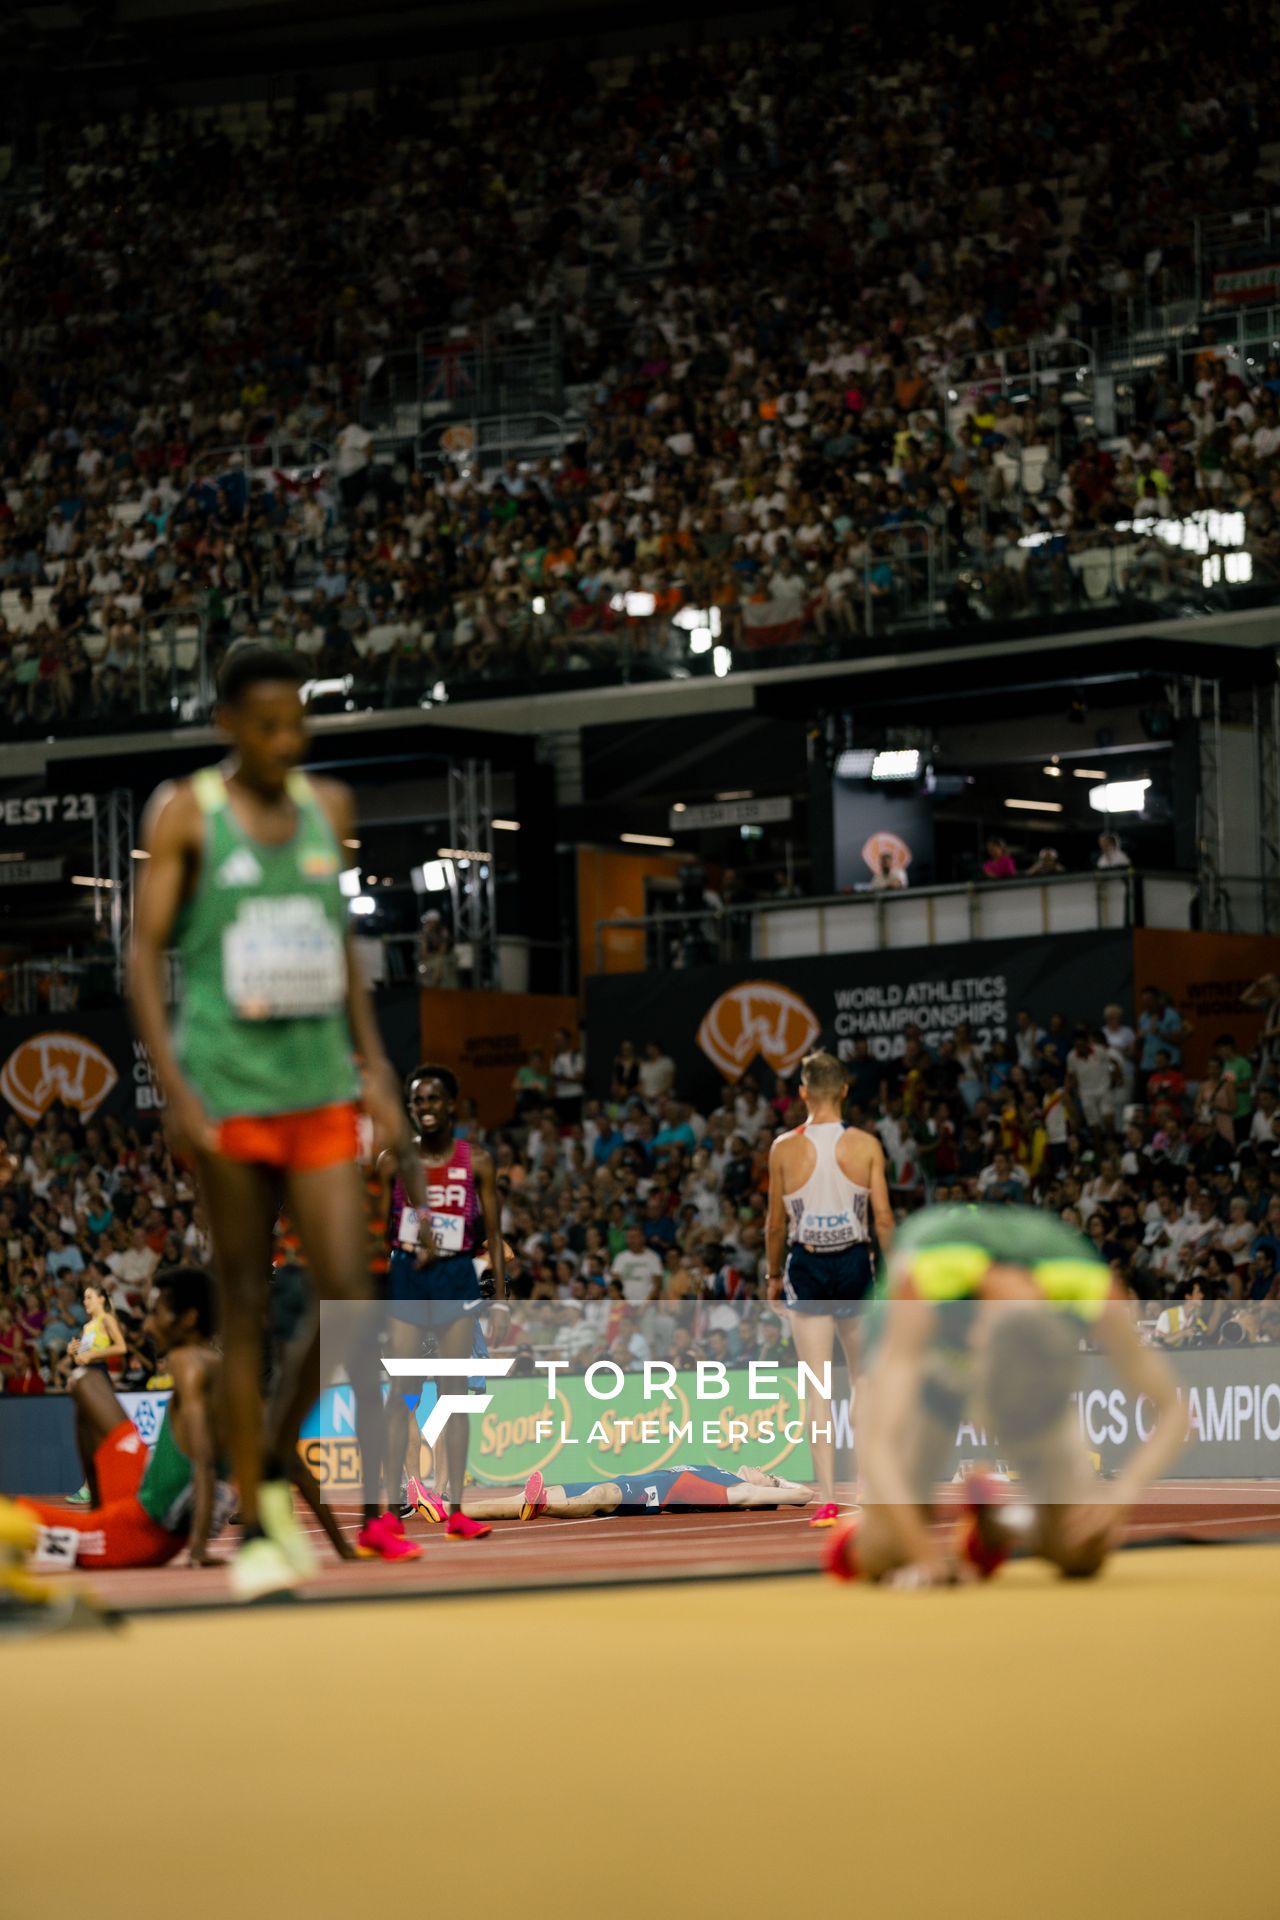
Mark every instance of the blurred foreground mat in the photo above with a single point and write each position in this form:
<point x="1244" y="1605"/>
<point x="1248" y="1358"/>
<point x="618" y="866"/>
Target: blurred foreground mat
<point x="984" y="1753"/>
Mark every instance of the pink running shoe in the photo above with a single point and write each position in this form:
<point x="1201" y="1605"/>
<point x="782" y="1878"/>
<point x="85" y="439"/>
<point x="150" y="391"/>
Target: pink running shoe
<point x="535" y="1497"/>
<point x="461" y="1528"/>
<point x="827" y="1516"/>
<point x="423" y="1501"/>
<point x="385" y="1539"/>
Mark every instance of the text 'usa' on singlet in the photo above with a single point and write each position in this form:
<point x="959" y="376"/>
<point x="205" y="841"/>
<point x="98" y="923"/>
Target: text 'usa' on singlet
<point x="453" y="1202"/>
<point x="830" y="1210"/>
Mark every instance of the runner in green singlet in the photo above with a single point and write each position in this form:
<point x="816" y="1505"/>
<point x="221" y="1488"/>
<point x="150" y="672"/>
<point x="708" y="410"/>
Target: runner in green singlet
<point x="275" y="1037"/>
<point x="957" y="1342"/>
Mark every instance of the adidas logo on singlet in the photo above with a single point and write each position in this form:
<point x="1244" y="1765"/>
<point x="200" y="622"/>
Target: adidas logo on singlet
<point x="239" y="869"/>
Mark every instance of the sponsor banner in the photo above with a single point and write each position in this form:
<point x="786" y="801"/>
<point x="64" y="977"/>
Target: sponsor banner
<point x="718" y="1023"/>
<point x="573" y="1436"/>
<point x="146" y="1410"/>
<point x="1230" y="1401"/>
<point x="64" y="1064"/>
<point x="1238" y="286"/>
<point x="1204" y="975"/>
<point x="91" y="1061"/>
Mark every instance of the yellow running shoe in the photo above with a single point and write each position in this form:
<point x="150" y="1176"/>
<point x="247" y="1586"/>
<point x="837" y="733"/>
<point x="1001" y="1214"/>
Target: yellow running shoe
<point x="280" y="1524"/>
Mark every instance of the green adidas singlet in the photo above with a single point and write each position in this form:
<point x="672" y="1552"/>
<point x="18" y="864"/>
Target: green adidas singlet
<point x="168" y="1486"/>
<point x="263" y="1026"/>
<point x="947" y="1250"/>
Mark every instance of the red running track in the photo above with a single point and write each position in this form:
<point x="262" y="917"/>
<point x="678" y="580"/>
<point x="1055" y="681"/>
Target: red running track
<point x="548" y="1554"/>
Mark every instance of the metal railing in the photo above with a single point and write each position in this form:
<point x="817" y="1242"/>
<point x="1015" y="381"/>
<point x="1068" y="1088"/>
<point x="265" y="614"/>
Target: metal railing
<point x="463" y="372"/>
<point x="866" y="920"/>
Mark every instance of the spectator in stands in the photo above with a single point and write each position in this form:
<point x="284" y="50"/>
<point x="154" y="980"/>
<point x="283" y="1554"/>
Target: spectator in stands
<point x="999" y="863"/>
<point x="1111" y="853"/>
<point x="1161" y="1028"/>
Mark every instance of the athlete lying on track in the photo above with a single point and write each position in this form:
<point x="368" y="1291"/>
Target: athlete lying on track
<point x="696" y="1489"/>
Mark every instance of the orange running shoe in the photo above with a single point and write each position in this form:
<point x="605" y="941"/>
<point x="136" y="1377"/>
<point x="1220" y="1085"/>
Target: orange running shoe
<point x="535" y="1497"/>
<point x="385" y="1539"/>
<point x="827" y="1516"/>
<point x="462" y="1528"/>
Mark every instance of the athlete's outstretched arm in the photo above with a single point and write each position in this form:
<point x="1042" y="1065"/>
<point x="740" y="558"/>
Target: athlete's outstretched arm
<point x="889" y="1416"/>
<point x="189" y="1368"/>
<point x="170" y="835"/>
<point x="788" y="1494"/>
<point x="1140" y="1370"/>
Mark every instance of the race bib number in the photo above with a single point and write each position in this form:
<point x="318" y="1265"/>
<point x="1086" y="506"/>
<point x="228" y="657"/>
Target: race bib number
<point x="283" y="960"/>
<point x="446" y="1229"/>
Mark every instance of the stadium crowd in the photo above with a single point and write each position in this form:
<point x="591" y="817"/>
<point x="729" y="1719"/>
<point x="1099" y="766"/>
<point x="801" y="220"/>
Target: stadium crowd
<point x="769" y="269"/>
<point x="639" y="1220"/>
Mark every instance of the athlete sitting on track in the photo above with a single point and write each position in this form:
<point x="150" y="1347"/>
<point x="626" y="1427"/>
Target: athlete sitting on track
<point x="145" y="1506"/>
<point x="697" y="1489"/>
<point x="985" y="1314"/>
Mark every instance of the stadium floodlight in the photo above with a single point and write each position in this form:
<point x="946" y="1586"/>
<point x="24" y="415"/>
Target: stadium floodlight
<point x="1120" y="796"/>
<point x="317" y="689"/>
<point x="855" y="763"/>
<point x="896" y="763"/>
<point x="435" y="876"/>
<point x="363" y="904"/>
<point x="349" y="883"/>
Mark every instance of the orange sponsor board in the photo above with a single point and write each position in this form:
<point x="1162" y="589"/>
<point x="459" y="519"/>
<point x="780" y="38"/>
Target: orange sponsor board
<point x="1204" y="975"/>
<point x="758" y="1018"/>
<point x="484" y="1037"/>
<point x="56" y="1066"/>
<point x="611" y="886"/>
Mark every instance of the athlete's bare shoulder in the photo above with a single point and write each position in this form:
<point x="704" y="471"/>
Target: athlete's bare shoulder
<point x="192" y="1369"/>
<point x="172" y="817"/>
<point x="857" y="1149"/>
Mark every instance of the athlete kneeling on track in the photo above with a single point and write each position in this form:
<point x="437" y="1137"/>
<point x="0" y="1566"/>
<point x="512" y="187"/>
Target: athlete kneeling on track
<point x="986" y="1310"/>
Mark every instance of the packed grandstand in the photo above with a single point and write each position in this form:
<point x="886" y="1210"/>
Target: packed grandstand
<point x="831" y="308"/>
